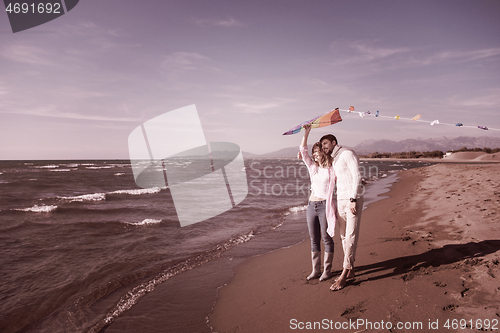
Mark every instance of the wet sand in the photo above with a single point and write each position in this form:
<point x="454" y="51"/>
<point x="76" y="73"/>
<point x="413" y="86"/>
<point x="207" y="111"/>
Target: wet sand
<point x="428" y="257"/>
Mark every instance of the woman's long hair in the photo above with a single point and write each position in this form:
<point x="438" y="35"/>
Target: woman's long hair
<point x="325" y="160"/>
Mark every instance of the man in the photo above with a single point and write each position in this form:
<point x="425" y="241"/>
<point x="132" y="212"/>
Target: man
<point x="349" y="203"/>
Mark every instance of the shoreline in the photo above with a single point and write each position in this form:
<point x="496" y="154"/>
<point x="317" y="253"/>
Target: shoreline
<point x="426" y="254"/>
<point x="195" y="291"/>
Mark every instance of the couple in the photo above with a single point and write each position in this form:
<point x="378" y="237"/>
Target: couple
<point x="336" y="195"/>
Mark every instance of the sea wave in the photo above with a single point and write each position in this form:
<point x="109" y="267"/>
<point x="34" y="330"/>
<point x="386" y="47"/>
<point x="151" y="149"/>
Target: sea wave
<point x="38" y="209"/>
<point x="50" y="166"/>
<point x="61" y="170"/>
<point x="71" y="165"/>
<point x="85" y="197"/>
<point x="298" y="209"/>
<point x="119" y="174"/>
<point x="99" y="167"/>
<point x="132" y="297"/>
<point x="103" y="196"/>
<point x="145" y="222"/>
<point x="138" y="191"/>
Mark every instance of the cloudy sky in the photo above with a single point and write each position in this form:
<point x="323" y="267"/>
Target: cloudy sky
<point x="76" y="87"/>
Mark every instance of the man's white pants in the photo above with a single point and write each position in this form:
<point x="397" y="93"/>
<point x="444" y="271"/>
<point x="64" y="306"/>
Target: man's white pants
<point x="349" y="229"/>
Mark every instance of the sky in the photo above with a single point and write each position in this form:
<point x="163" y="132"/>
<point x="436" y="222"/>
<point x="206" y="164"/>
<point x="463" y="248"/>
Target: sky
<point x="76" y="87"/>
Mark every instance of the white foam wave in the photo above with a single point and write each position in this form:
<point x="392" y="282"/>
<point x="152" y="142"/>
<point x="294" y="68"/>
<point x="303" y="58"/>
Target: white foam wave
<point x="297" y="209"/>
<point x="86" y="197"/>
<point x="132" y="297"/>
<point x="145" y="222"/>
<point x="278" y="226"/>
<point x="99" y="167"/>
<point x="38" y="209"/>
<point x="243" y="238"/>
<point x="102" y="196"/>
<point x="65" y="170"/>
<point x="138" y="191"/>
<point x="182" y="163"/>
<point x="52" y="166"/>
<point x="119" y="174"/>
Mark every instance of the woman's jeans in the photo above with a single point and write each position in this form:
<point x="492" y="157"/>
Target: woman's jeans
<point x="317" y="225"/>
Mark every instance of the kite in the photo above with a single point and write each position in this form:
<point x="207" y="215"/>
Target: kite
<point x="328" y="118"/>
<point x="333" y="117"/>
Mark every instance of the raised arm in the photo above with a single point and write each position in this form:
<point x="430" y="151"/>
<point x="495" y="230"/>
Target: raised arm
<point x="307" y="130"/>
<point x="303" y="148"/>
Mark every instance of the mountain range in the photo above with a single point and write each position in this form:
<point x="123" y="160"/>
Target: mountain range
<point x="389" y="146"/>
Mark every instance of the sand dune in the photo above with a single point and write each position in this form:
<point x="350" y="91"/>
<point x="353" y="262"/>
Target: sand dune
<point x="473" y="156"/>
<point x="488" y="157"/>
<point x="465" y="155"/>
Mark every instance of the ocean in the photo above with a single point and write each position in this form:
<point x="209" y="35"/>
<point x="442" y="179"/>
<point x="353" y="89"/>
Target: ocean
<point x="82" y="247"/>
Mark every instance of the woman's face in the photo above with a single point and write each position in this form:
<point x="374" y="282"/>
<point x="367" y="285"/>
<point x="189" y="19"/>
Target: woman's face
<point x="317" y="154"/>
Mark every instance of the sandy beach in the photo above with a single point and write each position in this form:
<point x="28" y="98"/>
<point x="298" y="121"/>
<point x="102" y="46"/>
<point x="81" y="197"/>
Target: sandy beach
<point x="428" y="260"/>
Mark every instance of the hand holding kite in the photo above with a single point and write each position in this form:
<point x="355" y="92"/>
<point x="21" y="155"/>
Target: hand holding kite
<point x="328" y="118"/>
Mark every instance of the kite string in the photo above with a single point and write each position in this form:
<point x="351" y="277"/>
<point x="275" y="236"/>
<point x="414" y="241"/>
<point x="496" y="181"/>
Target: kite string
<point x="363" y="114"/>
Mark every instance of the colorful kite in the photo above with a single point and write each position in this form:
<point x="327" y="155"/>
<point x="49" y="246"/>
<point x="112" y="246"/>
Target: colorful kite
<point x="328" y="118"/>
<point x="333" y="117"/>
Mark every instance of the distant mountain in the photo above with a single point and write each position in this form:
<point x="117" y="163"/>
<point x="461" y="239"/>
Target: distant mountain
<point x="388" y="146"/>
<point x="249" y="155"/>
<point x="443" y="143"/>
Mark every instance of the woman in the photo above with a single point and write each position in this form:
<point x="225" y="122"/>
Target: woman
<point x="320" y="210"/>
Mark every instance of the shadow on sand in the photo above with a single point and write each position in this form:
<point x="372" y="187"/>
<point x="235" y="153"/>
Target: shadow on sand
<point x="448" y="254"/>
